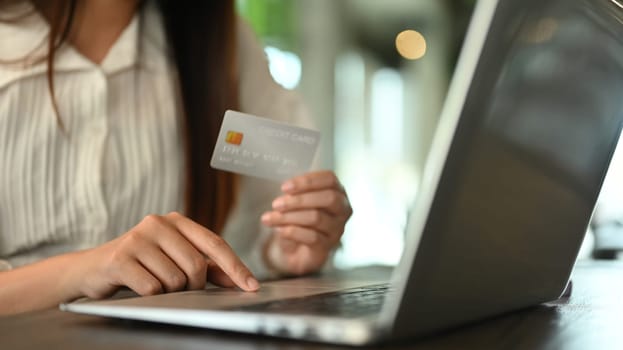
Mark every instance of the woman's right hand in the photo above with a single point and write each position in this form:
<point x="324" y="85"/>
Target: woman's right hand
<point x="162" y="254"/>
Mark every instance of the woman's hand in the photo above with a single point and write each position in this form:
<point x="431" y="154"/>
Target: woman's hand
<point x="308" y="221"/>
<point x="163" y="254"/>
<point x="160" y="254"/>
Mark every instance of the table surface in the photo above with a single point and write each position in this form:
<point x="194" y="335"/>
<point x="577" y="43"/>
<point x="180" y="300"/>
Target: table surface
<point x="590" y="319"/>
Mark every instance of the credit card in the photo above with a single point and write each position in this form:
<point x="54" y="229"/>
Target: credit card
<point x="265" y="148"/>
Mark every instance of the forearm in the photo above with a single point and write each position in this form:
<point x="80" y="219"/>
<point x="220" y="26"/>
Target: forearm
<point x="40" y="285"/>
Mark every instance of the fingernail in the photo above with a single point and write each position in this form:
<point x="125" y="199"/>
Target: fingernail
<point x="287" y="186"/>
<point x="279" y="203"/>
<point x="252" y="283"/>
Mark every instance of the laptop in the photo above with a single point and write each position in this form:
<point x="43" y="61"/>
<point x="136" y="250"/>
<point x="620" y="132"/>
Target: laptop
<point x="524" y="141"/>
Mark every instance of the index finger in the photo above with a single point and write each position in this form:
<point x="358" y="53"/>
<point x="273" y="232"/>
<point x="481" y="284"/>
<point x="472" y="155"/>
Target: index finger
<point x="313" y="181"/>
<point x="217" y="249"/>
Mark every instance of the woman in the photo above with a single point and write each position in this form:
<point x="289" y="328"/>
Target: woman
<point x="109" y="111"/>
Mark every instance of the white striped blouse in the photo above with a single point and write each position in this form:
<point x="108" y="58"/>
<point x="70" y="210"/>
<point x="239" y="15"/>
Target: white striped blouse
<point x="122" y="157"/>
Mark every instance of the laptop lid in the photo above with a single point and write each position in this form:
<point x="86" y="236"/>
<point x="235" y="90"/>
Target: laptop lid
<point x="526" y="136"/>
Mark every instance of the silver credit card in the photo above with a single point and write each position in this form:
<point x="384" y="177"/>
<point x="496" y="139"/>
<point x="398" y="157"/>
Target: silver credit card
<point x="264" y="148"/>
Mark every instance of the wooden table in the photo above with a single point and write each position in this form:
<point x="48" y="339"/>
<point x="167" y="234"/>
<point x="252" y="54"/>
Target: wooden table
<point x="592" y="318"/>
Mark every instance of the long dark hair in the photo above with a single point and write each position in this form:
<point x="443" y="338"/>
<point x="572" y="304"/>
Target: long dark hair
<point x="202" y="41"/>
<point x="202" y="36"/>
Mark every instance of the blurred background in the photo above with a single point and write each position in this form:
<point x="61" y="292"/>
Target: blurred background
<point x="376" y="106"/>
<point x="374" y="75"/>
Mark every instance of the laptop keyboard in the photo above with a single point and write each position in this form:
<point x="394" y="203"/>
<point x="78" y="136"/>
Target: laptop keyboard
<point x="353" y="302"/>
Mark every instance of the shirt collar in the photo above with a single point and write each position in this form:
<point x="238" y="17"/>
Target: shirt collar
<point x="124" y="52"/>
<point x="23" y="37"/>
<point x="142" y="42"/>
<point x="23" y="32"/>
<point x="154" y="49"/>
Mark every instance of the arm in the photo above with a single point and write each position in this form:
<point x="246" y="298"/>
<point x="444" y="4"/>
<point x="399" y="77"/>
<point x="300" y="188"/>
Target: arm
<point x="314" y="211"/>
<point x="22" y="287"/>
<point x="160" y="254"/>
<point x="259" y="95"/>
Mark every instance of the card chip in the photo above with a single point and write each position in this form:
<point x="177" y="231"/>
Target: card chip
<point x="234" y="138"/>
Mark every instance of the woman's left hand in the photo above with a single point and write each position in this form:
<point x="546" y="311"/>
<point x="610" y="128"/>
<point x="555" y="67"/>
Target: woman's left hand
<point x="308" y="221"/>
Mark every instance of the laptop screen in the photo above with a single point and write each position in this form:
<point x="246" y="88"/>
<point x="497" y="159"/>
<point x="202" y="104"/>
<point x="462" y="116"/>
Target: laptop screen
<point x="541" y="125"/>
<point x="536" y="133"/>
<point x="539" y="129"/>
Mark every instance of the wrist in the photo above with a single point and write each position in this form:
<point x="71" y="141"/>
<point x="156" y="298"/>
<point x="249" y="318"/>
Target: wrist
<point x="23" y="286"/>
<point x="72" y="280"/>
